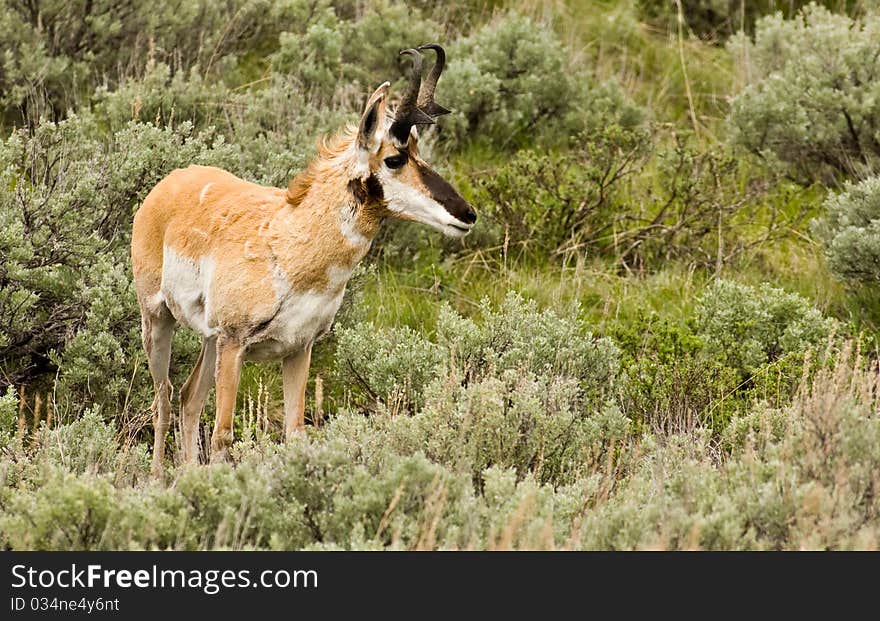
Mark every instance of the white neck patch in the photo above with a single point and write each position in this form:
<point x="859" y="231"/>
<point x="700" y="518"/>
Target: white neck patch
<point x="349" y="228"/>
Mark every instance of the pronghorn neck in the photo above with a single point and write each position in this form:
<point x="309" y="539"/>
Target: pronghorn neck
<point x="337" y="187"/>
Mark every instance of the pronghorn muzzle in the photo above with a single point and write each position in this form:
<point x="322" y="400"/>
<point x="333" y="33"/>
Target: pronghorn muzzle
<point x="443" y="192"/>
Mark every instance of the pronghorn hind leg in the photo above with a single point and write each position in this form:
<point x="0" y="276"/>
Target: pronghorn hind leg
<point x="193" y="395"/>
<point x="230" y="355"/>
<point x="295" y="373"/>
<point x="157" y="330"/>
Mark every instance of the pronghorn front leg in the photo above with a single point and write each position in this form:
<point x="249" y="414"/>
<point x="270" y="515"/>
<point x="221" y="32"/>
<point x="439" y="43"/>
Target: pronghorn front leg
<point x="295" y="372"/>
<point x="228" y="373"/>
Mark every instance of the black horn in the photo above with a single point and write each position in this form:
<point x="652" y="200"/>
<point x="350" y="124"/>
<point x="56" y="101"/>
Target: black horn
<point x="409" y="113"/>
<point x="426" y="94"/>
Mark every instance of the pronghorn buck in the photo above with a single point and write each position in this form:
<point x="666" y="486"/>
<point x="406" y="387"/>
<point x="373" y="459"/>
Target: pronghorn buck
<point x="260" y="272"/>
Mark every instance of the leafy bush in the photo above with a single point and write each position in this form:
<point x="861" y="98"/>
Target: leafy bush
<point x="540" y="202"/>
<point x="850" y="231"/>
<point x="59" y="52"/>
<point x="519" y="337"/>
<point x="532" y="425"/>
<point x="511" y="81"/>
<point x="89" y="445"/>
<point x="812" y="104"/>
<point x="747" y="327"/>
<point x="8" y="417"/>
<point x="718" y="19"/>
<point x="671" y="385"/>
<point x="796" y="479"/>
<point x="66" y="205"/>
<point x="391" y="364"/>
<point x="799" y="477"/>
<point x="334" y="54"/>
<point x="707" y="207"/>
<point x="397" y="365"/>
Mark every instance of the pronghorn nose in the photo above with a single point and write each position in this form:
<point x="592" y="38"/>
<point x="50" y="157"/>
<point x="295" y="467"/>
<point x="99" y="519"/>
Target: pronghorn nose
<point x="470" y="216"/>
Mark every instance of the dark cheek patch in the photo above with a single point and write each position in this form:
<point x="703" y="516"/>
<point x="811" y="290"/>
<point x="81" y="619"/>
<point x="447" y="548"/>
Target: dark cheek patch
<point x="358" y="190"/>
<point x="374" y="189"/>
<point x="365" y="191"/>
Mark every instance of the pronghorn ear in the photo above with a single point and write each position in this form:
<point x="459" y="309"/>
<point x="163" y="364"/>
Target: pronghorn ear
<point x="369" y="130"/>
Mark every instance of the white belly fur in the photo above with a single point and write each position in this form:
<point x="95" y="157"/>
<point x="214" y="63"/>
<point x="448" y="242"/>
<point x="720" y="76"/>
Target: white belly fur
<point x="301" y="317"/>
<point x="185" y="287"/>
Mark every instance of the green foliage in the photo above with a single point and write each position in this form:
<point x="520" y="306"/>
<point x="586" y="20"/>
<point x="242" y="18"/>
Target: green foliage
<point x="67" y="200"/>
<point x="671" y="384"/>
<point x="850" y="231"/>
<point x="8" y="417"/>
<point x="795" y="480"/>
<point x="799" y="477"/>
<point x="812" y="103"/>
<point x="747" y="327"/>
<point x="396" y="365"/>
<point x="329" y="52"/>
<point x="89" y="445"/>
<point x="520" y="337"/>
<point x="511" y="82"/>
<point x="540" y="202"/>
<point x="707" y="207"/>
<point x="391" y="364"/>
<point x="701" y="205"/>
<point x="57" y="52"/>
<point x="718" y="19"/>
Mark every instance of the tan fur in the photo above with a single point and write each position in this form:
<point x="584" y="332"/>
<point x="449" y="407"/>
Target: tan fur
<point x="253" y="234"/>
<point x="259" y="271"/>
<point x="247" y="229"/>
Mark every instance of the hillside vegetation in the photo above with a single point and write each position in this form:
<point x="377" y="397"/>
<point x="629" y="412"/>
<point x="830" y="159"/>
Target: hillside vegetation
<point x="662" y="333"/>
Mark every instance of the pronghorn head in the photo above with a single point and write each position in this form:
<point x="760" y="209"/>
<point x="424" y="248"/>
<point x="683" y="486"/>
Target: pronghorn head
<point x="389" y="165"/>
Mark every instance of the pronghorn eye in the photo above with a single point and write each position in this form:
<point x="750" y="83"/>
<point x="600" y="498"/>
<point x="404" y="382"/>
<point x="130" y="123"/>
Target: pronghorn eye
<point x="396" y="161"/>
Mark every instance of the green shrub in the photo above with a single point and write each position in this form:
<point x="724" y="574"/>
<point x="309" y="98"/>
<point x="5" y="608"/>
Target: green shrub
<point x="8" y="418"/>
<point x="540" y="202"/>
<point x="796" y="479"/>
<point x="517" y="336"/>
<point x="718" y="19"/>
<point x="395" y="366"/>
<point x="481" y="466"/>
<point x="812" y="104"/>
<point x="747" y="327"/>
<point x="88" y="445"/>
<point x="66" y="203"/>
<point x="850" y="231"/>
<point x="405" y="504"/>
<point x="390" y="364"/>
<point x="706" y="207"/>
<point x="65" y="512"/>
<point x="536" y="425"/>
<point x="59" y="52"/>
<point x="511" y="81"/>
<point x="353" y="56"/>
<point x="670" y="384"/>
<point x="702" y="205"/>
